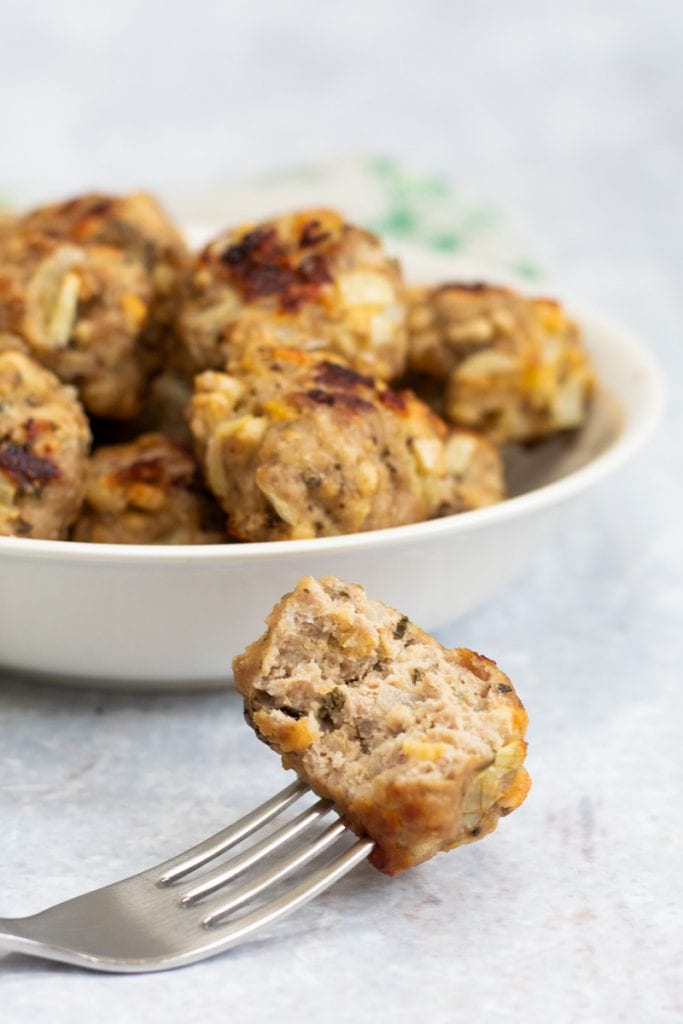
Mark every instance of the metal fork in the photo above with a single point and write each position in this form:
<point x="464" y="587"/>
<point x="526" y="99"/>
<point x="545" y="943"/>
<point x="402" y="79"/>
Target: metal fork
<point x="153" y="922"/>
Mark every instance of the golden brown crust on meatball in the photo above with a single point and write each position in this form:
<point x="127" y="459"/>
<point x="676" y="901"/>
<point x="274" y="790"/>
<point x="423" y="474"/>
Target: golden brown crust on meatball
<point x="147" y="492"/>
<point x="306" y="280"/>
<point x="297" y="445"/>
<point x="44" y="441"/>
<point x="514" y="367"/>
<point x="419" y="747"/>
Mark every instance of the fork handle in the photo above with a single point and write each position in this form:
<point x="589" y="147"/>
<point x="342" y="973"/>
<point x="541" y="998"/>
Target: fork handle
<point x="15" y="938"/>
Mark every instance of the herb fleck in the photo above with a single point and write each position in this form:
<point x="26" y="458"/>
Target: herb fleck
<point x="401" y="627"/>
<point x="331" y="709"/>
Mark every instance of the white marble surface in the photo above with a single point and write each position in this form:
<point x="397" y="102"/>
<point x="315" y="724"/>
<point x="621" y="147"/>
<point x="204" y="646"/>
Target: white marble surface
<point x="571" y="911"/>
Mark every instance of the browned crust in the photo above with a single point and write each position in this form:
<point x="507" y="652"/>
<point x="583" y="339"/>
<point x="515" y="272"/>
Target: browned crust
<point x="260" y="264"/>
<point x="147" y="491"/>
<point x="44" y="441"/>
<point x="297" y="281"/>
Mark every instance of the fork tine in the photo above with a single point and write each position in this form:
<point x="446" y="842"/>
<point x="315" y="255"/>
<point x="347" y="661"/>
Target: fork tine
<point x="292" y="899"/>
<point x="202" y="853"/>
<point x="137" y="925"/>
<point x="255" y="853"/>
<point x="252" y="889"/>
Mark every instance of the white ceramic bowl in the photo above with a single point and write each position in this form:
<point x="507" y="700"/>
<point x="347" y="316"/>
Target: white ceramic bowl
<point x="150" y="616"/>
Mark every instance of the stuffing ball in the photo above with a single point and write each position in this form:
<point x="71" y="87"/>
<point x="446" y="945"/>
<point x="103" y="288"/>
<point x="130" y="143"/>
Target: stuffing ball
<point x="135" y="225"/>
<point x="82" y="314"/>
<point x="297" y="444"/>
<point x="419" y="747"/>
<point x="306" y="280"/>
<point x="513" y="367"/>
<point x="147" y="492"/>
<point x="89" y="288"/>
<point x="44" y="442"/>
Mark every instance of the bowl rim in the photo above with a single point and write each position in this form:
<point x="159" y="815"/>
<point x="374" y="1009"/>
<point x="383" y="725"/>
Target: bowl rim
<point x="637" y="426"/>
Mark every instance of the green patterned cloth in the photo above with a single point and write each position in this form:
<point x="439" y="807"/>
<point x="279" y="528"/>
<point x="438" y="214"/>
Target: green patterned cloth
<point x="406" y="206"/>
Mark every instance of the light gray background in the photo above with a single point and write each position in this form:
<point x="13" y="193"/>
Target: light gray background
<point x="571" y="117"/>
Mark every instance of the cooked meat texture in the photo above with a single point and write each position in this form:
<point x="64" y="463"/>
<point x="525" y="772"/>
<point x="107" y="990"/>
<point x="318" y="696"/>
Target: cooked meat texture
<point x="297" y="445"/>
<point x="147" y="492"/>
<point x="513" y="367"/>
<point x="81" y="312"/>
<point x="135" y="225"/>
<point x="475" y="469"/>
<point x="306" y="280"/>
<point x="44" y="442"/>
<point x="419" y="747"/>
